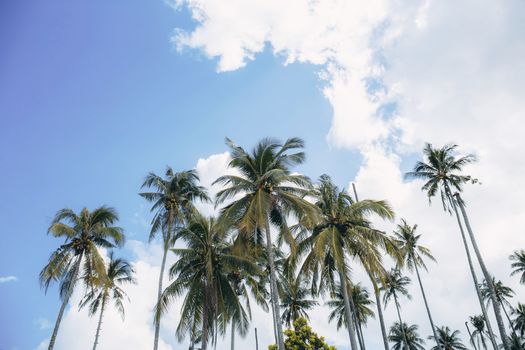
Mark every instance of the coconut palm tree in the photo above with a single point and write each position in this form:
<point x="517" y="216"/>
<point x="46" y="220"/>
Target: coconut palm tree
<point x="394" y="286"/>
<point x="343" y="234"/>
<point x="519" y="318"/>
<point x="83" y="233"/>
<point x="172" y="197"/>
<point x="294" y="299"/>
<point x="109" y="288"/>
<point x="479" y="334"/>
<point x="503" y="293"/>
<point x="518" y="264"/>
<point x="516" y="342"/>
<point x="269" y="194"/>
<point x="413" y="258"/>
<point x="405" y="337"/>
<point x="201" y="272"/>
<point x="442" y="172"/>
<point x="447" y="340"/>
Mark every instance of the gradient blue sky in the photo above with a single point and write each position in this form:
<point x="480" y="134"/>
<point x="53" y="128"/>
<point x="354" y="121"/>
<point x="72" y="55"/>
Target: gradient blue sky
<point x="93" y="96"/>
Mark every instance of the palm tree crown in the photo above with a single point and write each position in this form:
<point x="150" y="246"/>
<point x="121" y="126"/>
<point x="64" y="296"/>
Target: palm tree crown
<point x="361" y="300"/>
<point x="394" y="286"/>
<point x="519" y="318"/>
<point x="518" y="264"/>
<point x="400" y="331"/>
<point x="294" y="299"/>
<point x="407" y="241"/>
<point x="447" y="339"/>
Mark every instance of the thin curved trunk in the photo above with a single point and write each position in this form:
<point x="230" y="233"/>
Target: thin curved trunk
<point x="256" y="340"/>
<point x="159" y="293"/>
<point x="511" y="325"/>
<point x="486" y="274"/>
<point x="361" y="335"/>
<point x="471" y="338"/>
<point x="426" y="306"/>
<point x="346" y="298"/>
<point x="356" y="321"/>
<point x="233" y="338"/>
<point x="401" y="323"/>
<point x="380" y="313"/>
<point x="64" y="303"/>
<point x="100" y="321"/>
<point x="273" y="289"/>
<point x="474" y="278"/>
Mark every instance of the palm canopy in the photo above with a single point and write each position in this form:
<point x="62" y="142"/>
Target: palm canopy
<point x="395" y="284"/>
<point x="441" y="172"/>
<point x="294" y="299"/>
<point x="172" y="197"/>
<point x="447" y="339"/>
<point x="518" y="264"/>
<point x="202" y="271"/>
<point x="400" y="332"/>
<point x="119" y="272"/>
<point x="503" y="293"/>
<point x="406" y="240"/>
<point x="480" y="333"/>
<point x="84" y="233"/>
<point x="361" y="301"/>
<point x="519" y="318"/>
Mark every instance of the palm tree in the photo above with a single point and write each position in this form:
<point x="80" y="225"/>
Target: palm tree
<point x="503" y="293"/>
<point x="172" y="198"/>
<point x="519" y="318"/>
<point x="343" y="233"/>
<point x="294" y="299"/>
<point x="202" y="273"/>
<point x="119" y="272"/>
<point x="518" y="265"/>
<point x="395" y="285"/>
<point x="413" y="254"/>
<point x="84" y="233"/>
<point x="516" y="342"/>
<point x="405" y="337"/>
<point x="447" y="340"/>
<point x="480" y="333"/>
<point x="269" y="193"/>
<point x="441" y="171"/>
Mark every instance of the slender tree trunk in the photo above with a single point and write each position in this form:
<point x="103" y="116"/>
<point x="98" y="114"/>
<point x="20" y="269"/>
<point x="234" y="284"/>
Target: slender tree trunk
<point x="483" y="341"/>
<point x="426" y="306"/>
<point x="474" y="278"/>
<point x="273" y="289"/>
<point x="380" y="313"/>
<point x="256" y="340"/>
<point x="471" y="338"/>
<point x="362" y="335"/>
<point x="486" y="274"/>
<point x="401" y="325"/>
<point x="100" y="321"/>
<point x="348" y="310"/>
<point x="159" y="293"/>
<point x="65" y="302"/>
<point x="233" y="338"/>
<point x="356" y="321"/>
<point x="511" y="325"/>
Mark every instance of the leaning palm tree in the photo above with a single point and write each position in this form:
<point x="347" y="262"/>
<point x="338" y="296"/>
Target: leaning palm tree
<point x="343" y="234"/>
<point x="479" y="334"/>
<point x="413" y="254"/>
<point x="518" y="264"/>
<point x="109" y="288"/>
<point x="294" y="299"/>
<point x="503" y="294"/>
<point x="269" y="193"/>
<point x="394" y="286"/>
<point x="442" y="173"/>
<point x="83" y="233"/>
<point x="201" y="272"/>
<point x="519" y="319"/>
<point x="405" y="337"/>
<point x="172" y="197"/>
<point x="447" y="340"/>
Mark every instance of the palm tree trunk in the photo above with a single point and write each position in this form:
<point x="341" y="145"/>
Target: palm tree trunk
<point x="380" y="313"/>
<point x="511" y="325"/>
<point x="401" y="323"/>
<point x="358" y="330"/>
<point x="486" y="274"/>
<point x="256" y="340"/>
<point x="65" y="302"/>
<point x="233" y="338"/>
<point x="273" y="289"/>
<point x="474" y="278"/>
<point x="99" y="321"/>
<point x="159" y="293"/>
<point x="361" y="334"/>
<point x="426" y="306"/>
<point x="349" y="317"/>
<point x="470" y="335"/>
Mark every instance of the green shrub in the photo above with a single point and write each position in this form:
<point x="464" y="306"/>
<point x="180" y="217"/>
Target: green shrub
<point x="301" y="337"/>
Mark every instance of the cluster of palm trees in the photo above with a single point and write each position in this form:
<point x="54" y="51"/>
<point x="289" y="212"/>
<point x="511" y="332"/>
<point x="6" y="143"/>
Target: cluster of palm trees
<point x="280" y="241"/>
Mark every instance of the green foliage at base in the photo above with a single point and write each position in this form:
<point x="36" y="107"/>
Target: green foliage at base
<point x="301" y="337"/>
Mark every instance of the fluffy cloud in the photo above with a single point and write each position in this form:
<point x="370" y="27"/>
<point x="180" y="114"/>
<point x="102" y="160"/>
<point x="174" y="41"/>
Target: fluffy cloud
<point x="5" y="279"/>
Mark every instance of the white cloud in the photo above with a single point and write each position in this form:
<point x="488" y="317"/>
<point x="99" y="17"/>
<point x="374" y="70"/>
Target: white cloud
<point x="5" y="279"/>
<point x="43" y="323"/>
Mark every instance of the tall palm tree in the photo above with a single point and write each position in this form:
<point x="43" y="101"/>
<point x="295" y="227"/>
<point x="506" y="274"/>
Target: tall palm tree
<point x="83" y="233"/>
<point x="202" y="272"/>
<point x="413" y="258"/>
<point x="396" y="285"/>
<point x="503" y="293"/>
<point x="518" y="265"/>
<point x="269" y="193"/>
<point x="480" y="333"/>
<point x="405" y="337"/>
<point x="294" y="299"/>
<point x="447" y="339"/>
<point x="343" y="234"/>
<point x="519" y="318"/>
<point x="172" y="198"/>
<point x="109" y="288"/>
<point x="442" y="172"/>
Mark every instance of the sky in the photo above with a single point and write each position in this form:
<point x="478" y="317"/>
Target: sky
<point x="94" y="95"/>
